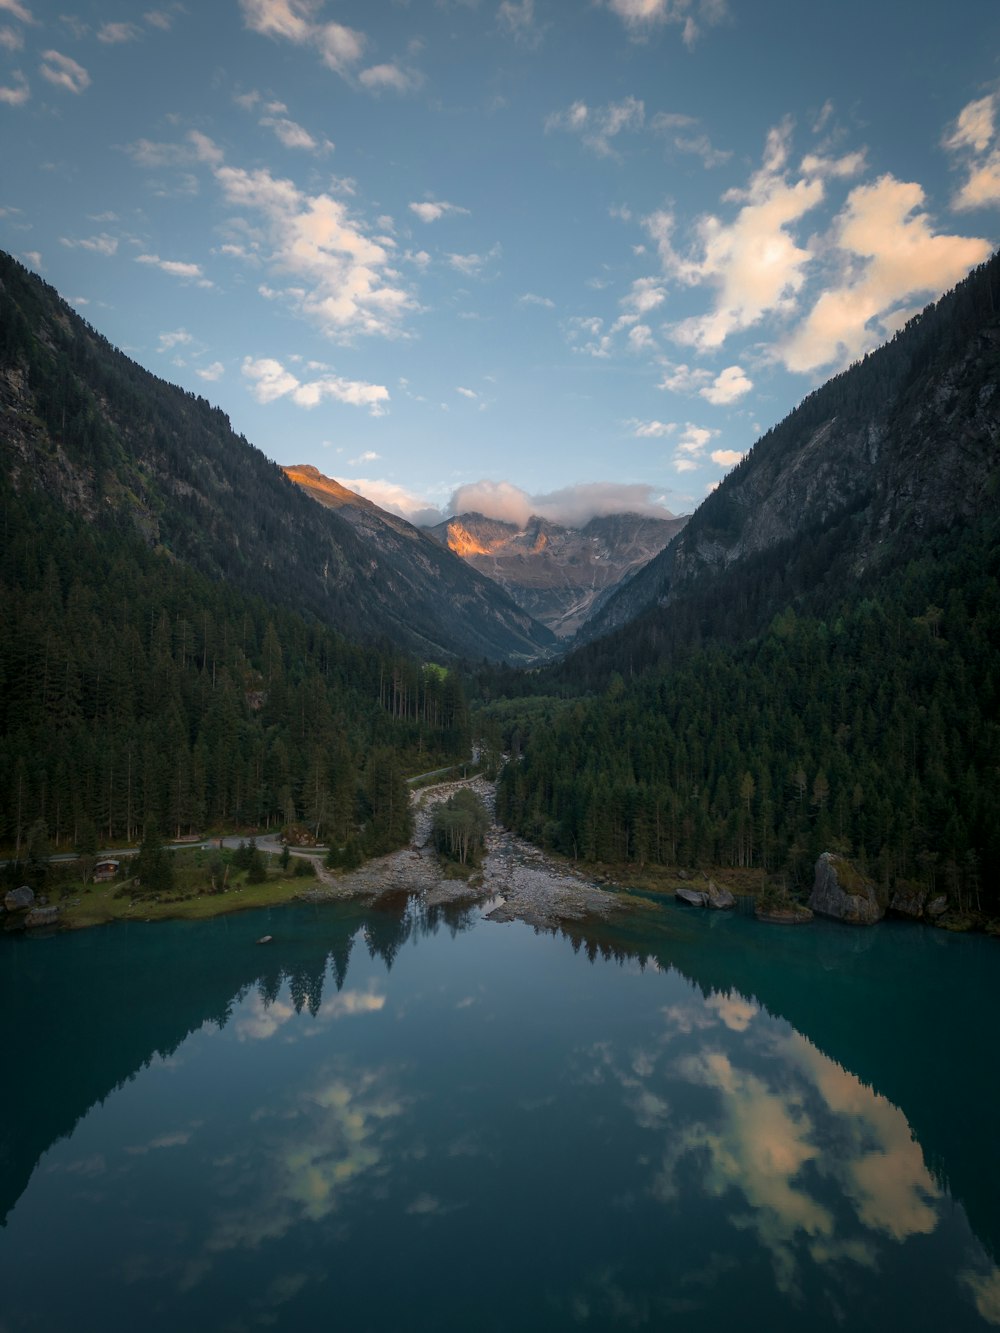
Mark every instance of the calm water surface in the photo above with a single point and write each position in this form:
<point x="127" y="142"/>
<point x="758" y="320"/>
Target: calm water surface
<point x="390" y="1119"/>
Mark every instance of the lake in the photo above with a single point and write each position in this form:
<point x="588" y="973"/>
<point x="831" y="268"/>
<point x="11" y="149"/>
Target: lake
<point x="399" y="1119"/>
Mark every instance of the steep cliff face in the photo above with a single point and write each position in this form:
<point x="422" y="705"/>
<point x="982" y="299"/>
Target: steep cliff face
<point x="903" y="444"/>
<point x="114" y="444"/>
<point x="561" y="575"/>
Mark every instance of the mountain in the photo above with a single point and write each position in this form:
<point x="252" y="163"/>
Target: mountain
<point x="813" y="665"/>
<point x="561" y="575"/>
<point x="101" y="435"/>
<point x="853" y="482"/>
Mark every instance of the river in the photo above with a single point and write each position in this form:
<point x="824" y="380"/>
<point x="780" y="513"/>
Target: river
<point x="402" y="1117"/>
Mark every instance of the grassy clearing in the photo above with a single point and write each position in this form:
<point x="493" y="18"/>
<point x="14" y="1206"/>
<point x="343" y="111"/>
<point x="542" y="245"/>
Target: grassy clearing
<point x="665" y="880"/>
<point x="205" y="885"/>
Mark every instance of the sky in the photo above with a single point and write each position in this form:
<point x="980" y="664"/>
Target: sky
<point x="567" y="257"/>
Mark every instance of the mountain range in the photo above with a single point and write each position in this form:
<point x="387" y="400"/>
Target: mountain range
<point x="562" y="575"/>
<point x="100" y="435"/>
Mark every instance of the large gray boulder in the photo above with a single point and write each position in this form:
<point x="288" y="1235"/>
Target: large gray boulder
<point x="16" y="900"/>
<point x="908" y="900"/>
<point x="719" y="899"/>
<point x="842" y="892"/>
<point x="693" y="897"/>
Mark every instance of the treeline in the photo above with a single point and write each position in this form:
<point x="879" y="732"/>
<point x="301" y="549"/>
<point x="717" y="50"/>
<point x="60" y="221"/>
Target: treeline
<point x="133" y="690"/>
<point x="875" y="732"/>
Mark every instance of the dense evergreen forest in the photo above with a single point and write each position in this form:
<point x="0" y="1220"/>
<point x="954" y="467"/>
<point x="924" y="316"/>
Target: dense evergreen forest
<point x="134" y="690"/>
<point x="874" y="731"/>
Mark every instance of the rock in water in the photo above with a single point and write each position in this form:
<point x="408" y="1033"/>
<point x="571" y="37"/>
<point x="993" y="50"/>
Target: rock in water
<point x="693" y="897"/>
<point x="719" y="899"/>
<point x="842" y="892"/>
<point x="16" y="900"/>
<point x="265" y="939"/>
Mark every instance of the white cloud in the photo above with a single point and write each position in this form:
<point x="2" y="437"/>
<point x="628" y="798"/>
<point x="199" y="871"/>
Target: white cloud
<point x="726" y="457"/>
<point x="395" y="500"/>
<point x="212" y="373"/>
<point x="33" y="258"/>
<point x="517" y="19"/>
<point x="113" y="33"/>
<point x="891" y="254"/>
<point x="17" y="10"/>
<point x="101" y="245"/>
<point x="598" y="126"/>
<point x="178" y="338"/>
<point x="63" y="72"/>
<point x="270" y="381"/>
<point x="467" y="393"/>
<point x="682" y="378"/>
<point x="530" y="298"/>
<point x="683" y="134"/>
<point x="652" y="430"/>
<point x="973" y="133"/>
<point x="975" y="125"/>
<point x="343" y="279"/>
<point x="646" y="294"/>
<point x="340" y="48"/>
<point x="586" y="334"/>
<point x="17" y="93"/>
<point x="572" y="506"/>
<point x="159" y="18"/>
<point x="752" y="262"/>
<point x="175" y="267"/>
<point x="472" y="265"/>
<point x="641" y="15"/>
<point x="433" y="209"/>
<point x="392" y="77"/>
<point x="11" y="39"/>
<point x="293" y="135"/>
<point x="728" y="386"/>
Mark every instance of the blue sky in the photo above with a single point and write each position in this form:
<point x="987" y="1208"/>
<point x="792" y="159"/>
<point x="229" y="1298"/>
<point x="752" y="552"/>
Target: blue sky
<point x="567" y="256"/>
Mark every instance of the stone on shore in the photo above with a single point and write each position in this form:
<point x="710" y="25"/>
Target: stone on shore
<point x="908" y="900"/>
<point x="720" y="900"/>
<point x="16" y="900"/>
<point x="693" y="897"/>
<point x="41" y="916"/>
<point x="937" y="907"/>
<point x="842" y="892"/>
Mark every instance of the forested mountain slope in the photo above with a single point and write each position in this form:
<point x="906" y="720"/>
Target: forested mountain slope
<point x="818" y="664"/>
<point x="850" y="485"/>
<point x="95" y="431"/>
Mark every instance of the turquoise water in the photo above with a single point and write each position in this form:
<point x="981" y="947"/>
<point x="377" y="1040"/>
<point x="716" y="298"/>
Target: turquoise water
<point x="391" y="1119"/>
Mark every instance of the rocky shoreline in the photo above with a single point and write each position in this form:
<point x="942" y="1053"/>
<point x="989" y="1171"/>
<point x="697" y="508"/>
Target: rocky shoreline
<point x="522" y="883"/>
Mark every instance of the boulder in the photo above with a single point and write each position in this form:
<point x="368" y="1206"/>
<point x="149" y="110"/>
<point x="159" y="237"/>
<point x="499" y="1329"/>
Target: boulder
<point x="784" y="914"/>
<point x="908" y="900"/>
<point x="721" y="900"/>
<point x="937" y="907"/>
<point x="842" y="892"/>
<point x="41" y="916"/>
<point x="693" y="897"/>
<point x="16" y="900"/>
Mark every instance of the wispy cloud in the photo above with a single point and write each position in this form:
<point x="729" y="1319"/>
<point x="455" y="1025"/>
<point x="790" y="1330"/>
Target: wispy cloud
<point x="16" y="10"/>
<point x="16" y="93"/>
<point x="572" y="506"/>
<point x="270" y="381"/>
<point x="176" y="268"/>
<point x="63" y="72"/>
<point x="213" y="372"/>
<point x="340" y="48"/>
<point x="432" y="210"/>
<point x="391" y="77"/>
<point x="472" y="264"/>
<point x="683" y="134"/>
<point x="112" y="34"/>
<point x="599" y="126"/>
<point x="517" y="19"/>
<point x="344" y="279"/>
<point x="972" y="139"/>
<point x="692" y="16"/>
<point x="101" y="245"/>
<point x="531" y="298"/>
